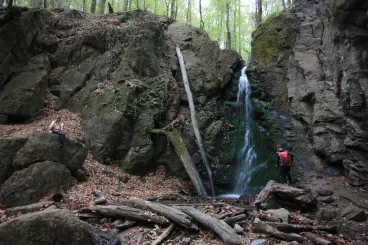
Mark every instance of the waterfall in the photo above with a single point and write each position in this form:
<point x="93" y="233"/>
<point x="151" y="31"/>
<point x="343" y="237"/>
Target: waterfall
<point x="248" y="162"/>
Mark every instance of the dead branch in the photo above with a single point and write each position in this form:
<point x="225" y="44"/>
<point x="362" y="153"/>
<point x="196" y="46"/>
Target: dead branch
<point x="27" y="209"/>
<point x="316" y="239"/>
<point x="262" y="227"/>
<point x="235" y="219"/>
<point x="227" y="234"/>
<point x="164" y="235"/>
<point x="125" y="212"/>
<point x="102" y="199"/>
<point x="172" y="214"/>
<point x="299" y="228"/>
<point x="127" y="224"/>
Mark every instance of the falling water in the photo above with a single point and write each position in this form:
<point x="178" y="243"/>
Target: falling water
<point x="248" y="162"/>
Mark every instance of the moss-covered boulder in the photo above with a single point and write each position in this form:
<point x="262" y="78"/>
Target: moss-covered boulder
<point x="57" y="227"/>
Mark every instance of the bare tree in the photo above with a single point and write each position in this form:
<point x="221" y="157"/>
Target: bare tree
<point x="125" y="5"/>
<point x="283" y="4"/>
<point x="102" y="6"/>
<point x="84" y="5"/>
<point x="228" y="35"/>
<point x="172" y="14"/>
<point x="201" y="25"/>
<point x="258" y="13"/>
<point x="93" y="6"/>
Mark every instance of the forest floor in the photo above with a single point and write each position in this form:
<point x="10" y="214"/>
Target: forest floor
<point x="160" y="185"/>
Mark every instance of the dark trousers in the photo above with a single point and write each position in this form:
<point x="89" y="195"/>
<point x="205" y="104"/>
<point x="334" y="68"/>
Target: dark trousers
<point x="285" y="174"/>
<point x="62" y="137"/>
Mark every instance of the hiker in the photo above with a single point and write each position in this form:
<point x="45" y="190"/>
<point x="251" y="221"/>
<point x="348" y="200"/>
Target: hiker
<point x="284" y="161"/>
<point x="57" y="127"/>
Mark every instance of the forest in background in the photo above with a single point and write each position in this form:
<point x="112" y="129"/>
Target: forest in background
<point x="229" y="22"/>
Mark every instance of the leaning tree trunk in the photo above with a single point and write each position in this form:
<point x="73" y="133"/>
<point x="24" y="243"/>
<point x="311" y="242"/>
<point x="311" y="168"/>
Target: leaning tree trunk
<point x="194" y="119"/>
<point x="102" y="6"/>
<point x="93" y="6"/>
<point x="185" y="158"/>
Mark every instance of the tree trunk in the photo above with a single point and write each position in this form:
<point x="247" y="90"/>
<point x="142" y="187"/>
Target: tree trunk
<point x="189" y="13"/>
<point x="234" y="45"/>
<point x="84" y="5"/>
<point x="45" y="4"/>
<point x="235" y="219"/>
<point x="228" y="35"/>
<point x="60" y="4"/>
<point x="138" y="4"/>
<point x="261" y="227"/>
<point x="10" y="5"/>
<point x="155" y="8"/>
<point x="1" y="3"/>
<point x="125" y="212"/>
<point x="226" y="232"/>
<point x="283" y="4"/>
<point x="172" y="214"/>
<point x="172" y="14"/>
<point x="27" y="209"/>
<point x="194" y="119"/>
<point x="144" y="4"/>
<point x="289" y="3"/>
<point x="299" y="228"/>
<point x="239" y="30"/>
<point x="130" y="5"/>
<point x="102" y="6"/>
<point x="111" y="10"/>
<point x="164" y="235"/>
<point x="125" y="6"/>
<point x="317" y="240"/>
<point x="185" y="158"/>
<point x="52" y="3"/>
<point x="167" y="4"/>
<point x="258" y="13"/>
<point x="201" y="23"/>
<point x="93" y="6"/>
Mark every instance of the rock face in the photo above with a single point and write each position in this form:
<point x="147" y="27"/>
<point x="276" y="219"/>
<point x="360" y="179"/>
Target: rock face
<point x="24" y="95"/>
<point x="125" y="80"/>
<point x="319" y="110"/>
<point x="29" y="185"/>
<point x="55" y="227"/>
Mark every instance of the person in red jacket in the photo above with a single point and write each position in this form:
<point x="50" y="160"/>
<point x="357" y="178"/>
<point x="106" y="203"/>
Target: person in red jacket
<point x="284" y="161"/>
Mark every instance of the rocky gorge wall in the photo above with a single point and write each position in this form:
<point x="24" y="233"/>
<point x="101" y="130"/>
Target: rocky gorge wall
<point x="309" y="73"/>
<point x="121" y="73"/>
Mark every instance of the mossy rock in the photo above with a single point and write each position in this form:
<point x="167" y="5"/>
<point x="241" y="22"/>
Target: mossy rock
<point x="273" y="41"/>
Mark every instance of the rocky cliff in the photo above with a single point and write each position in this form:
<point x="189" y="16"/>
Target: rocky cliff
<point x="310" y="66"/>
<point x="122" y="74"/>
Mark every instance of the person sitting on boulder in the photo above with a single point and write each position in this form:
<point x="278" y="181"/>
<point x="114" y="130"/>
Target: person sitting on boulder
<point x="284" y="161"/>
<point x="57" y="127"/>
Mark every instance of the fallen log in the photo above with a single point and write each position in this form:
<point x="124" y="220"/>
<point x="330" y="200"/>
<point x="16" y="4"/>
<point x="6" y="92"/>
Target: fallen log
<point x="27" y="209"/>
<point x="235" y="219"/>
<point x="194" y="118"/>
<point x="125" y="212"/>
<point x="127" y="224"/>
<point x="262" y="227"/>
<point x="102" y="199"/>
<point x="227" y="234"/>
<point x="164" y="235"/>
<point x="172" y="214"/>
<point x="299" y="228"/>
<point x="316" y="239"/>
<point x="89" y="216"/>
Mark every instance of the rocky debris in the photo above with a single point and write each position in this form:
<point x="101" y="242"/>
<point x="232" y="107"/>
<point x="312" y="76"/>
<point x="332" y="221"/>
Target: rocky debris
<point x="354" y="213"/>
<point x="46" y="147"/>
<point x="326" y="213"/>
<point x="23" y="96"/>
<point x="324" y="192"/>
<point x="57" y="227"/>
<point x="259" y="242"/>
<point x="30" y="184"/>
<point x="329" y="199"/>
<point x="281" y="214"/>
<point x="280" y="195"/>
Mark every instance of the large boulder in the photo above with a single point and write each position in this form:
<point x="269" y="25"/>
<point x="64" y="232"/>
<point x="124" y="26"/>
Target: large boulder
<point x="9" y="147"/>
<point x="277" y="195"/>
<point x="354" y="213"/>
<point x="46" y="147"/>
<point x="24" y="95"/>
<point x="29" y="185"/>
<point x="56" y="227"/>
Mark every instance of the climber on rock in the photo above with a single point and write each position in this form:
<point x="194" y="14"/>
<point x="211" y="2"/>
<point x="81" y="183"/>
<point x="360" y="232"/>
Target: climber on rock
<point x="284" y="161"/>
<point x="57" y="127"/>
